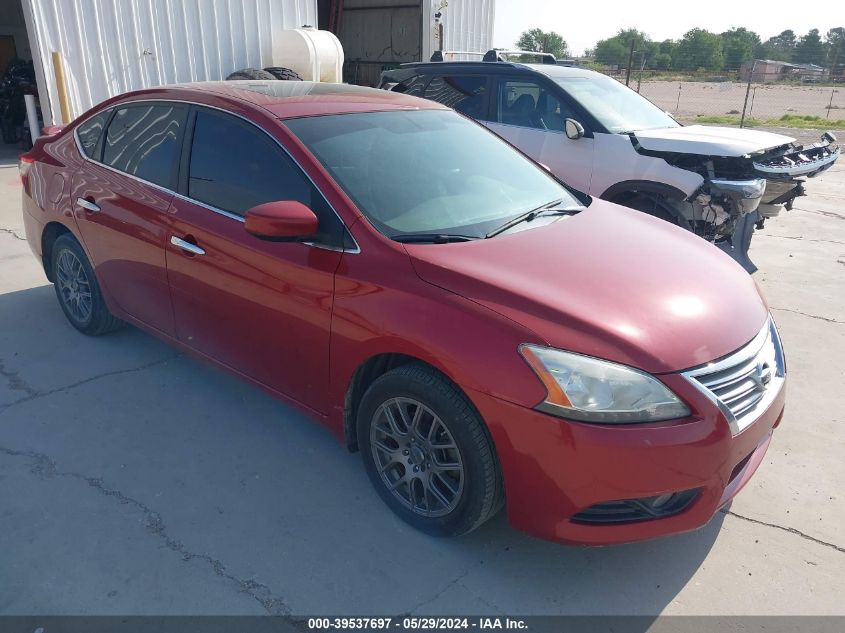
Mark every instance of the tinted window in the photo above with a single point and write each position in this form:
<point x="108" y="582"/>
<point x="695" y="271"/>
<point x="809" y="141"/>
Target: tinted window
<point x="465" y="94"/>
<point x="235" y="166"/>
<point x="413" y="86"/>
<point x="530" y="104"/>
<point x="90" y="131"/>
<point x="143" y="140"/>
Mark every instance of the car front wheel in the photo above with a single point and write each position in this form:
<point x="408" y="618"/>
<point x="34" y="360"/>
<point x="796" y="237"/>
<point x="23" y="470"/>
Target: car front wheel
<point x="427" y="452"/>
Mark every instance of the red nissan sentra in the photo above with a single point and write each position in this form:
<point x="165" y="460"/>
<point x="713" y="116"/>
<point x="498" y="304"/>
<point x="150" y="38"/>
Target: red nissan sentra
<point x="482" y="334"/>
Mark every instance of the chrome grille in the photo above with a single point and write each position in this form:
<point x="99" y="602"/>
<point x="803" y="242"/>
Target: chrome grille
<point x="744" y="383"/>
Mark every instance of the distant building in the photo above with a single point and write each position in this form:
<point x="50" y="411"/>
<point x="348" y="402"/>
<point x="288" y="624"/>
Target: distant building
<point x="773" y="70"/>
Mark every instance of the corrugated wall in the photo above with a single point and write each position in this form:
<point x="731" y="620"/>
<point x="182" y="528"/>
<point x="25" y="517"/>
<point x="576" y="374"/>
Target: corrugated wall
<point x="112" y="46"/>
<point x="467" y="25"/>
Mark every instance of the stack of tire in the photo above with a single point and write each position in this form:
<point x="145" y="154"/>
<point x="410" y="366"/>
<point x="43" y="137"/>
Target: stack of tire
<point x="272" y="73"/>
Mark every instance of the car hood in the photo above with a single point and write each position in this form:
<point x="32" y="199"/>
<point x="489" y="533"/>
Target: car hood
<point x="709" y="141"/>
<point x="609" y="282"/>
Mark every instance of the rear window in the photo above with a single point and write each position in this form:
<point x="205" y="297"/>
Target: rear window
<point x="89" y="133"/>
<point x="143" y="140"/>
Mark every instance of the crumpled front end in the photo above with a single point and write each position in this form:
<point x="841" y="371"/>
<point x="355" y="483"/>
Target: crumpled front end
<point x="785" y="169"/>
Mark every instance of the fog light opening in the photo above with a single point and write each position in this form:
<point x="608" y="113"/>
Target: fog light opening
<point x="642" y="509"/>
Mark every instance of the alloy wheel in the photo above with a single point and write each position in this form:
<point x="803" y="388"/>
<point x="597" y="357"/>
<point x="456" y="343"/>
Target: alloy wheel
<point x="74" y="286"/>
<point x="417" y="457"/>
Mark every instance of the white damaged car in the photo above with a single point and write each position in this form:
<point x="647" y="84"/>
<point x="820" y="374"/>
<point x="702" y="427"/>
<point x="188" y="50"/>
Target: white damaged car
<point x="604" y="139"/>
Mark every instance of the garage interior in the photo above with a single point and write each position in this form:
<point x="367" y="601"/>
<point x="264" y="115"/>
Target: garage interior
<point x="17" y="76"/>
<point x="376" y="35"/>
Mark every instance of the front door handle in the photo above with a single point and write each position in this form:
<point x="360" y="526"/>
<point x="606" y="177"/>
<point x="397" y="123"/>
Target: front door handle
<point x="186" y="246"/>
<point x="88" y="205"/>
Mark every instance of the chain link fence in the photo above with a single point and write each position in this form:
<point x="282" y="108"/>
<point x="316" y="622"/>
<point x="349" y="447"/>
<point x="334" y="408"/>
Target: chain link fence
<point x="768" y="100"/>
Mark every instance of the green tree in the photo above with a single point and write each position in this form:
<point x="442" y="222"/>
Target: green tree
<point x="810" y="49"/>
<point x="611" y="52"/>
<point x="662" y="61"/>
<point x="779" y="47"/>
<point x="543" y="42"/>
<point x="616" y="50"/>
<point x="738" y="47"/>
<point x="699" y="49"/>
<point x="835" y="47"/>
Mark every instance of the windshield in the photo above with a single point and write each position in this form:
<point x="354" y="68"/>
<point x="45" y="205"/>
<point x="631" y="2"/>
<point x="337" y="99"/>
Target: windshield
<point x="616" y="106"/>
<point x="427" y="171"/>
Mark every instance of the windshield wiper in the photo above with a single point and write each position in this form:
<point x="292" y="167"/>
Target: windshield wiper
<point x="432" y="238"/>
<point x="549" y="207"/>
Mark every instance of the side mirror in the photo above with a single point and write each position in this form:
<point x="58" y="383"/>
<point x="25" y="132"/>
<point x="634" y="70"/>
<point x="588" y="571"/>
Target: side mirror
<point x="281" y="221"/>
<point x="574" y="130"/>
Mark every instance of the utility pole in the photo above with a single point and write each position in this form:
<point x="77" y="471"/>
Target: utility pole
<point x="630" y="62"/>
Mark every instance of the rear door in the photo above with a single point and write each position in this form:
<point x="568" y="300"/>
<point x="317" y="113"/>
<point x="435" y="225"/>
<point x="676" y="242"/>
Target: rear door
<point x="530" y="114"/>
<point x="121" y="196"/>
<point x="262" y="308"/>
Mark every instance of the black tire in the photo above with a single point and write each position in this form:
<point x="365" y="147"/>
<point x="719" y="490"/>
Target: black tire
<point x="480" y="493"/>
<point x="96" y="319"/>
<point x="285" y="74"/>
<point x="650" y="205"/>
<point x="250" y="73"/>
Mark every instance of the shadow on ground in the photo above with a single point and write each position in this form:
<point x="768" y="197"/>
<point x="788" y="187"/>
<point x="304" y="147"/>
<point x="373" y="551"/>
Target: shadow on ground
<point x="118" y="441"/>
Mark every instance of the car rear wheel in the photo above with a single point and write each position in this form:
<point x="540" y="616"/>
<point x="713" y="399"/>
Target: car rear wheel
<point x="250" y="73"/>
<point x="77" y="289"/>
<point x="428" y="453"/>
<point x="285" y="74"/>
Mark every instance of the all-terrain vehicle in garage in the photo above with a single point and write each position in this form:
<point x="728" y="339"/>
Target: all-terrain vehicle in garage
<point x="606" y="140"/>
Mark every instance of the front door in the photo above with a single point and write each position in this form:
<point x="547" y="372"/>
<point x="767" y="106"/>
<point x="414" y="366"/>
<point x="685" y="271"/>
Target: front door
<point x="530" y="115"/>
<point x="262" y="308"/>
<point x="120" y="199"/>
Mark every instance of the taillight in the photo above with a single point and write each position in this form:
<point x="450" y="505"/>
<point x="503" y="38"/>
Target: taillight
<point x="24" y="165"/>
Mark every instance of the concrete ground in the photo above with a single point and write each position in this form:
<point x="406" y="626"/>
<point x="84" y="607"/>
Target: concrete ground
<point x="134" y="480"/>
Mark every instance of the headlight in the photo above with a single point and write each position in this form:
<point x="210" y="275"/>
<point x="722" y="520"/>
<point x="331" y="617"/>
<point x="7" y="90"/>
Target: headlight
<point x="593" y="390"/>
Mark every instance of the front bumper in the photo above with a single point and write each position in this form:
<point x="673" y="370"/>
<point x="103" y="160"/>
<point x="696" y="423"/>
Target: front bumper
<point x="554" y="468"/>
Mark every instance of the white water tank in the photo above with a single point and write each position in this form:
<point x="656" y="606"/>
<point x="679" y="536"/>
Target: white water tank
<point x="316" y="55"/>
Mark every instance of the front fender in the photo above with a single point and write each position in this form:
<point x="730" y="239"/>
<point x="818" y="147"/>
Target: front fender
<point x="395" y="312"/>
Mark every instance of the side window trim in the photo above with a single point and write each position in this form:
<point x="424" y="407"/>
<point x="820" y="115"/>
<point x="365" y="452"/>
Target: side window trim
<point x="184" y="175"/>
<point x="192" y="106"/>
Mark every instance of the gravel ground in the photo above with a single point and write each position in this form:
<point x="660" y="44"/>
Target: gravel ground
<point x="691" y="98"/>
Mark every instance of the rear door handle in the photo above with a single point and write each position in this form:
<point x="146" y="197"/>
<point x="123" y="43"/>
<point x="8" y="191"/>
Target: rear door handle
<point x="88" y="205"/>
<point x="186" y="246"/>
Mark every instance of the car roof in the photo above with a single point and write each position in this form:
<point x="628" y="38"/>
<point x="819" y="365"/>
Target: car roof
<point x="289" y="99"/>
<point x="550" y="70"/>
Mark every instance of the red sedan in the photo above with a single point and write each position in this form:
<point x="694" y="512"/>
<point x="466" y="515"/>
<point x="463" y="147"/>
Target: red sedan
<point x="482" y="334"/>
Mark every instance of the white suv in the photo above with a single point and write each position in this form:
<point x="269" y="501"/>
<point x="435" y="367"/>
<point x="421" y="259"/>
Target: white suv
<point x="606" y="140"/>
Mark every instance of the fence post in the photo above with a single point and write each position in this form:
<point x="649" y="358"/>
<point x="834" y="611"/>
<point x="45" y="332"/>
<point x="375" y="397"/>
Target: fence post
<point x="678" y="104"/>
<point x="630" y="61"/>
<point x="830" y="105"/>
<point x="747" y="91"/>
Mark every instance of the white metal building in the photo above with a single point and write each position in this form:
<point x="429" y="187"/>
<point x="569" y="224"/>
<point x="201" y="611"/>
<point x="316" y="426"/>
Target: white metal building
<point x="112" y="46"/>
